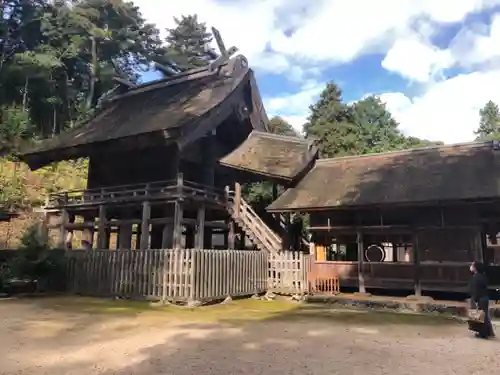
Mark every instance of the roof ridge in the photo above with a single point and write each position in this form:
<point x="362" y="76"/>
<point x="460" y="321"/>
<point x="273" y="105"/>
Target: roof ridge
<point x="465" y="145"/>
<point x="292" y="138"/>
<point x="189" y="75"/>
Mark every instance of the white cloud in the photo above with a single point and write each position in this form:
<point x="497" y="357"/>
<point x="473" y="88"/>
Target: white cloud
<point x="417" y="60"/>
<point x="304" y="33"/>
<point x="449" y="110"/>
<point x="298" y="38"/>
<point x="294" y="107"/>
<point x="478" y="44"/>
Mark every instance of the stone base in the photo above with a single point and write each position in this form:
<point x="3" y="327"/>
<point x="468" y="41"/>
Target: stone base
<point x="450" y="308"/>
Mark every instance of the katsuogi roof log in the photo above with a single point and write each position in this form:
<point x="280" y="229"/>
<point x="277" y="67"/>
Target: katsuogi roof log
<point x="280" y="157"/>
<point x="437" y="174"/>
<point x="169" y="110"/>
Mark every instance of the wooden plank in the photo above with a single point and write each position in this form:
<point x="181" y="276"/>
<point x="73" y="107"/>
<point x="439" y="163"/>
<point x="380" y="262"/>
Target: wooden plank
<point x="361" y="280"/>
<point x="101" y="231"/>
<point x="200" y="227"/>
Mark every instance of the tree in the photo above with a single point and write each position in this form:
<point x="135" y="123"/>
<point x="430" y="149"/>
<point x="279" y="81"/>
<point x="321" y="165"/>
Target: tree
<point x="329" y="122"/>
<point x="277" y="125"/>
<point x="365" y="126"/>
<point x="489" y="123"/>
<point x="377" y="130"/>
<point x="188" y="43"/>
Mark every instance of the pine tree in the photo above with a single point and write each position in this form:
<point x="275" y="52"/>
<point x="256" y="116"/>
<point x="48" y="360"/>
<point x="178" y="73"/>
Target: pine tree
<point x="489" y="123"/>
<point x="330" y="123"/>
<point x="188" y="43"/>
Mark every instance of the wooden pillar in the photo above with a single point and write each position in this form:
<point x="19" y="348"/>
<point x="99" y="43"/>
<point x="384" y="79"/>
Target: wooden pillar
<point x="200" y="227"/>
<point x="231" y="236"/>
<point x="88" y="234"/>
<point x="138" y="237"/>
<point x="178" y="214"/>
<point x="287" y="238"/>
<point x="275" y="191"/>
<point x="101" y="229"/>
<point x="361" y="278"/>
<point x="237" y="199"/>
<point x="146" y="215"/>
<point x="125" y="237"/>
<point x="416" y="266"/>
<point x="167" y="241"/>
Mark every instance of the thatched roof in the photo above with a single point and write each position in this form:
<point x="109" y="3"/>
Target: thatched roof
<point x="437" y="174"/>
<point x="271" y="155"/>
<point x="153" y="113"/>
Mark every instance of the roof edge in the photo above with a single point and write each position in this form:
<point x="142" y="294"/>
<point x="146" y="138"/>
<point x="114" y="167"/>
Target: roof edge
<point x="463" y="145"/>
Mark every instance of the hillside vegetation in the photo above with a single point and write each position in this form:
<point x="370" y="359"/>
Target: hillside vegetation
<point x="22" y="191"/>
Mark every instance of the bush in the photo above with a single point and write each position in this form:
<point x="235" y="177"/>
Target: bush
<point x="5" y="277"/>
<point x="37" y="262"/>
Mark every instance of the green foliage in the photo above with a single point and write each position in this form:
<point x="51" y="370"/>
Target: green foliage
<point x="360" y="128"/>
<point x="5" y="277"/>
<point x="489" y="123"/>
<point x="15" y="126"/>
<point x="188" y="43"/>
<point x="36" y="260"/>
<point x="278" y="125"/>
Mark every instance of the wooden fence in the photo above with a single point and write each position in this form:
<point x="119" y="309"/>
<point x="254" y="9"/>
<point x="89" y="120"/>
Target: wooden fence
<point x="288" y="272"/>
<point x="181" y="275"/>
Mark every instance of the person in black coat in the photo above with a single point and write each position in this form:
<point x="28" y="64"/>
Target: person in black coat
<point x="479" y="298"/>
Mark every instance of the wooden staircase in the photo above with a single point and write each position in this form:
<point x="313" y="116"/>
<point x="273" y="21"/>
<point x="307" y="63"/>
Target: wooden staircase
<point x="254" y="227"/>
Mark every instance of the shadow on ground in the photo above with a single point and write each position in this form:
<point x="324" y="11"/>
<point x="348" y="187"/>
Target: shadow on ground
<point x="257" y="337"/>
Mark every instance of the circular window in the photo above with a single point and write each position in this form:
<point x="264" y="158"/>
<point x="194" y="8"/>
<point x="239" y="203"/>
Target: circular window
<point x="374" y="253"/>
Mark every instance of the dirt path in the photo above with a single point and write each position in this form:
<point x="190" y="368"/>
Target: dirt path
<point x="37" y="341"/>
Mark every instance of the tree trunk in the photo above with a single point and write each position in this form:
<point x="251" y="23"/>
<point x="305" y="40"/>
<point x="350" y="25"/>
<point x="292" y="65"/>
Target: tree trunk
<point x="93" y="74"/>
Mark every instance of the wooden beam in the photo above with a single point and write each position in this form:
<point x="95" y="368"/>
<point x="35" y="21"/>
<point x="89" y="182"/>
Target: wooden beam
<point x="167" y="70"/>
<point x="219" y="41"/>
<point x="416" y="266"/>
<point x="237" y="199"/>
<point x="231" y="236"/>
<point x="361" y="278"/>
<point x="124" y="82"/>
<point x="101" y="231"/>
<point x="178" y="214"/>
<point x="200" y="227"/>
<point x="146" y="215"/>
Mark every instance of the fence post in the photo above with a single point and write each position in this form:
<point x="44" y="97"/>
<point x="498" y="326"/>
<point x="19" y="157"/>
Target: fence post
<point x="237" y="199"/>
<point x="194" y="279"/>
<point x="164" y="295"/>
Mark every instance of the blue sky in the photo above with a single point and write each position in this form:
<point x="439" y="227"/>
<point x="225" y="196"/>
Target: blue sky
<point x="434" y="63"/>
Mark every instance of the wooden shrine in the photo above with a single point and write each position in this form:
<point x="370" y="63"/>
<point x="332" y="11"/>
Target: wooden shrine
<point x="411" y="220"/>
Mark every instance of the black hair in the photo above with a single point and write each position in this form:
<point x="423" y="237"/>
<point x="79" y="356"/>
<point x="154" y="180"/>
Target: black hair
<point x="480" y="267"/>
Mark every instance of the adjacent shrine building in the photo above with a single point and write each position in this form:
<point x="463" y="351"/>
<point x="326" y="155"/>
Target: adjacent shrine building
<point x="412" y="219"/>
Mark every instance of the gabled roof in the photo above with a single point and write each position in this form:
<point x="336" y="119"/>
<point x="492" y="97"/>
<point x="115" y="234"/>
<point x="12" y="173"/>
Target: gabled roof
<point x="161" y="111"/>
<point x="435" y="174"/>
<point x="276" y="156"/>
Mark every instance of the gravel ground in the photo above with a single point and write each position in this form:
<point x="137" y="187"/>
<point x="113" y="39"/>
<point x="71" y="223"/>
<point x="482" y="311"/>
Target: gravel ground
<point x="37" y="341"/>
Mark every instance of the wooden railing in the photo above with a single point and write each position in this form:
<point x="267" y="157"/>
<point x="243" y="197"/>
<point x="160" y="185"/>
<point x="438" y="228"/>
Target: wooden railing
<point x="169" y="189"/>
<point x="288" y="272"/>
<point x="255" y="228"/>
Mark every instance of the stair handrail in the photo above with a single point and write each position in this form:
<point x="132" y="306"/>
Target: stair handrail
<point x="244" y="211"/>
<point x="245" y="207"/>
